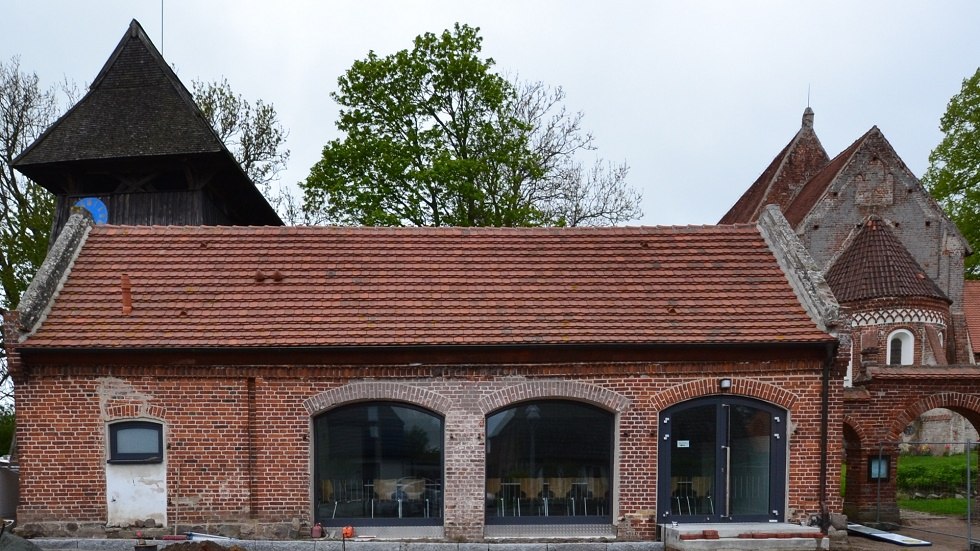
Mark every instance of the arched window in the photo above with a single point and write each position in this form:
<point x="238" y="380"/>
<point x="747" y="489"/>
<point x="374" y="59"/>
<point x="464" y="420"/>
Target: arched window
<point x="549" y="462"/>
<point x="901" y="345"/>
<point x="380" y="463"/>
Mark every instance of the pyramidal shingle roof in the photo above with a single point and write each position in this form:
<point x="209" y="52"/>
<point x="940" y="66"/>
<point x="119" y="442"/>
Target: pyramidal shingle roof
<point x="137" y="110"/>
<point x="782" y="180"/>
<point x="875" y="264"/>
<point x="354" y="287"/>
<point x="135" y="107"/>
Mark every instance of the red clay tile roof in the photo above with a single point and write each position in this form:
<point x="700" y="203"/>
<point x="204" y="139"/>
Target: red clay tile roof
<point x="271" y="287"/>
<point x="971" y="308"/>
<point x="802" y="157"/>
<point x="875" y="264"/>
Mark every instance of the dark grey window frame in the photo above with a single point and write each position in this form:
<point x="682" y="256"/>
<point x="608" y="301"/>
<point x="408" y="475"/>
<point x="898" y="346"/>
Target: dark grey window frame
<point x="122" y="458"/>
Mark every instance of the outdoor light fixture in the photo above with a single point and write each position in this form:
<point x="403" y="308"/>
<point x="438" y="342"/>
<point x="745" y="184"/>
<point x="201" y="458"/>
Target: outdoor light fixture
<point x="725" y="384"/>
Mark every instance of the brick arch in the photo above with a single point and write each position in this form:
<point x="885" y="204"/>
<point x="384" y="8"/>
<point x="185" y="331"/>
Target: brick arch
<point x="360" y="392"/>
<point x="536" y="390"/>
<point x="948" y="400"/>
<point x="859" y="430"/>
<point x="709" y="387"/>
<point x="135" y="410"/>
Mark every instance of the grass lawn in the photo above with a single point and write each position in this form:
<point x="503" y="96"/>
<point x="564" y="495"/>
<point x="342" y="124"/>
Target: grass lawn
<point x="947" y="507"/>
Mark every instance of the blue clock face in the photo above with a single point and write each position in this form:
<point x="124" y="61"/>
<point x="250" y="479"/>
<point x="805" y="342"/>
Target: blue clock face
<point x="100" y="214"/>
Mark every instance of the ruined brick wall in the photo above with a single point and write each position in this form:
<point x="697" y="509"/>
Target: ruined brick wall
<point x="238" y="440"/>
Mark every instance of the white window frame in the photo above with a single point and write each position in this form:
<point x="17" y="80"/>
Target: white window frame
<point x="908" y="347"/>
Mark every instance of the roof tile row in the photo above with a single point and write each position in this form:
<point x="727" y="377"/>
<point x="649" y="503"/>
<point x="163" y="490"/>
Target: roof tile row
<point x="202" y="287"/>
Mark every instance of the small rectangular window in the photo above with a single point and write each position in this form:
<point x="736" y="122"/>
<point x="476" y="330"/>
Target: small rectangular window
<point x="136" y="442"/>
<point x="878" y="467"/>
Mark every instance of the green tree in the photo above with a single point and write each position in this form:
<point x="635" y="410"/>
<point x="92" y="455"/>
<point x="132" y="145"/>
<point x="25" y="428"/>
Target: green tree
<point x="26" y="209"/>
<point x="434" y="137"/>
<point x="953" y="176"/>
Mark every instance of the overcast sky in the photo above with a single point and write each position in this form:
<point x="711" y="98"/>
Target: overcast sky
<point x="696" y="96"/>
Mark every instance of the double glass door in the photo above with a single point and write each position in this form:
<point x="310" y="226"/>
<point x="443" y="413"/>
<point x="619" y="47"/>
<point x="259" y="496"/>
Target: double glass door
<point x="722" y="459"/>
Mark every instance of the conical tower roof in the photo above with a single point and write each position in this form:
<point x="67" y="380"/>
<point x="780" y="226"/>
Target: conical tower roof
<point x="875" y="264"/>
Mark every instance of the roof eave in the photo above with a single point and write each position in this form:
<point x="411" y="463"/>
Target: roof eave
<point x="479" y="354"/>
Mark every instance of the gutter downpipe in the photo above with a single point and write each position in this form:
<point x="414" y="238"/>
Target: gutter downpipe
<point x="824" y="432"/>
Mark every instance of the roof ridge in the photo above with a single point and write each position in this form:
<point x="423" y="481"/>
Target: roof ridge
<point x="447" y="230"/>
<point x="814" y="188"/>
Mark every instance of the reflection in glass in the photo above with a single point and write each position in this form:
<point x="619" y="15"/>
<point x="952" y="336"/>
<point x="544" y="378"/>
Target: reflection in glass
<point x="548" y="461"/>
<point x="750" y="436"/>
<point x="692" y="461"/>
<point x="379" y="461"/>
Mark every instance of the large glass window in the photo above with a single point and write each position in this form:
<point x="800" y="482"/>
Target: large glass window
<point x="549" y="462"/>
<point x="380" y="463"/>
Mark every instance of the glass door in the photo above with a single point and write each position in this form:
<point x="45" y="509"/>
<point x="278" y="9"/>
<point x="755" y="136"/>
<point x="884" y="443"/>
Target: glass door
<point x="722" y="458"/>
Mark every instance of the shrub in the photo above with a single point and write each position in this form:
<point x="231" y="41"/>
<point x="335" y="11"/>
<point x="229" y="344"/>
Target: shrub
<point x="940" y="475"/>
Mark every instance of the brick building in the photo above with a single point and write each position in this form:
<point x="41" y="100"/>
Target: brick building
<point x="455" y="383"/>
<point x="894" y="262"/>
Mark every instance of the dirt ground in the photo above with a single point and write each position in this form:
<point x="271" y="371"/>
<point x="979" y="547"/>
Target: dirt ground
<point x="944" y="533"/>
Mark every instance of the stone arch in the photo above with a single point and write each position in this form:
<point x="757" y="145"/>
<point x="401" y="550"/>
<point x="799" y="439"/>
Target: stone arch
<point x="709" y="387"/>
<point x="360" y="392"/>
<point x="535" y="390"/>
<point x="967" y="405"/>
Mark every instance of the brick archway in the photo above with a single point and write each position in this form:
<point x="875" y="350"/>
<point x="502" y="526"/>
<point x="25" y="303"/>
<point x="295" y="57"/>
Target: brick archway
<point x="536" y="390"/>
<point x="389" y="391"/>
<point x="709" y="387"/>
<point x="949" y="400"/>
<point x="879" y="409"/>
<point x="858" y="429"/>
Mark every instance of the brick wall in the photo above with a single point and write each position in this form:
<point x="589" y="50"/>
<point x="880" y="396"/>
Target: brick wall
<point x="877" y="412"/>
<point x="238" y="439"/>
<point x="877" y="181"/>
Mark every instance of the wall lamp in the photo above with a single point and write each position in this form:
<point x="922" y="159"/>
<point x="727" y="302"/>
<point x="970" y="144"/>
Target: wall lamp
<point x="725" y="384"/>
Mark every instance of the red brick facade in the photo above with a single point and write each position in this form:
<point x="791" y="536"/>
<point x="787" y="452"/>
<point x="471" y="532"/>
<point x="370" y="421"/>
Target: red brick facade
<point x="238" y="440"/>
<point x="876" y="414"/>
